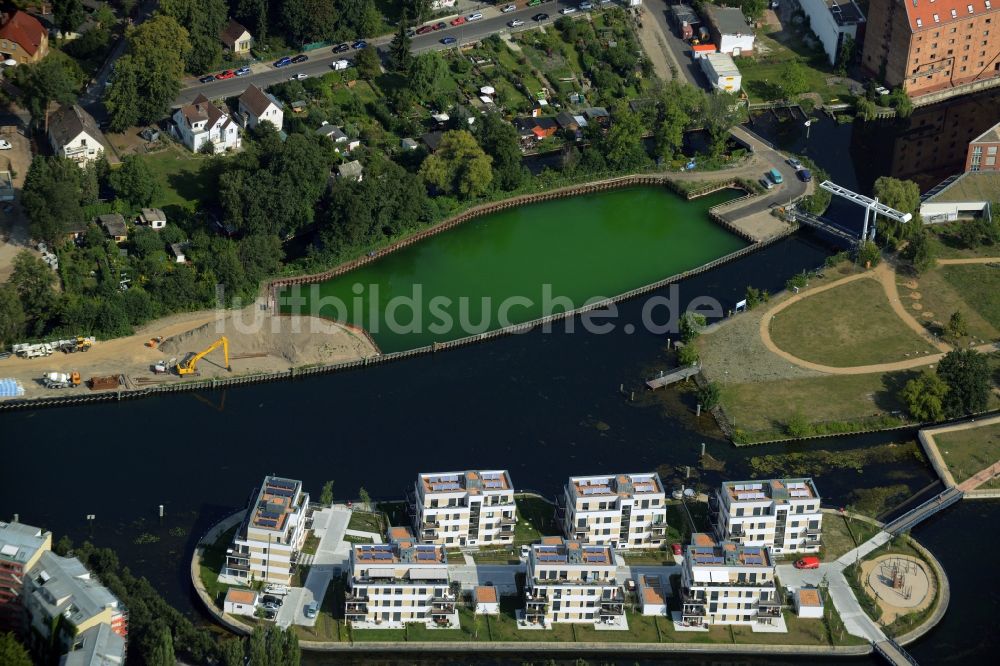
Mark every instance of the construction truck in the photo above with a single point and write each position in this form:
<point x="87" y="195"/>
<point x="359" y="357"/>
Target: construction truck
<point x="189" y="366"/>
<point x="26" y="350"/>
<point x="74" y="345"/>
<point x="58" y="380"/>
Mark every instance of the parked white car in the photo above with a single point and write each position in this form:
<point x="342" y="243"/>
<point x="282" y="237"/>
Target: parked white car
<point x="509" y="8"/>
<point x="567" y="10"/>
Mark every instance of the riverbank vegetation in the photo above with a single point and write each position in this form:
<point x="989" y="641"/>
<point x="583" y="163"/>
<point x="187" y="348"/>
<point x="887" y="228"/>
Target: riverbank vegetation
<point x="277" y="207"/>
<point x="817" y="462"/>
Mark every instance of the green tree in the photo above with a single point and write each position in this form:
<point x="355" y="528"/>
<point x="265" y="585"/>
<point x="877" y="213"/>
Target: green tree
<point x="257" y="647"/>
<point x="793" y="79"/>
<point x="967" y="375"/>
<point x="33" y="281"/>
<point x="721" y="112"/>
<point x="499" y="140"/>
<point x="919" y="252"/>
<point x="12" y="317"/>
<point x="68" y="15"/>
<point x="399" y="48"/>
<point x="366" y="499"/>
<point x="687" y="355"/>
<point x="904" y="196"/>
<point x="709" y="395"/>
<point x="55" y="191"/>
<point x="924" y="397"/>
<point x="753" y="8"/>
<point x="690" y="325"/>
<point x="162" y="652"/>
<point x="367" y="63"/>
<point x="12" y="653"/>
<point x="369" y="19"/>
<point x="147" y="77"/>
<point x="957" y="326"/>
<point x="868" y="253"/>
<point x="865" y="109"/>
<point x="56" y="78"/>
<point x="203" y="20"/>
<point x="845" y="55"/>
<point x="424" y="72"/>
<point x="458" y="166"/>
<point x="232" y="652"/>
<point x="326" y="497"/>
<point x="134" y="182"/>
<point x="671" y="122"/>
<point x="622" y="144"/>
<point x="253" y="14"/>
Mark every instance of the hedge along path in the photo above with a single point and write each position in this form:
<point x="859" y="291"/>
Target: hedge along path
<point x="886" y="276"/>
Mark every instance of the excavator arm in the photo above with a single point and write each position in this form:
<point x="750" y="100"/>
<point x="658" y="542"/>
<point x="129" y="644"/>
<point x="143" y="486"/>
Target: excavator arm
<point x="189" y="366"/>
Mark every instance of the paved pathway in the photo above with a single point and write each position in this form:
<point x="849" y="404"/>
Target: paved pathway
<point x="928" y="439"/>
<point x="331" y="556"/>
<point x="856" y="621"/>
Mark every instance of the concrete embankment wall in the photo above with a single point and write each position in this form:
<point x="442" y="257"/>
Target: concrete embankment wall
<point x="292" y="373"/>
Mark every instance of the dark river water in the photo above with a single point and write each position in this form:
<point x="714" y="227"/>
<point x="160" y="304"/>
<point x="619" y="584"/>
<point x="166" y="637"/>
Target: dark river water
<point x="545" y="405"/>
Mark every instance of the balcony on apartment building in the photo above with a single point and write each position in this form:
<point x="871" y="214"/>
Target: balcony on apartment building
<point x="768" y="609"/>
<point x="612" y="603"/>
<point x="813" y="537"/>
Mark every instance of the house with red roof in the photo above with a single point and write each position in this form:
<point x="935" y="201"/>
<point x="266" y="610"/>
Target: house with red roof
<point x="926" y="46"/>
<point x="22" y="38"/>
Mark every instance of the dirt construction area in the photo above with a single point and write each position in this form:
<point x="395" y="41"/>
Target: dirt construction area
<point x="258" y="342"/>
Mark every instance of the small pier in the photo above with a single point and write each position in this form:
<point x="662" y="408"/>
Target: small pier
<point x="668" y="378"/>
<point x="894" y="653"/>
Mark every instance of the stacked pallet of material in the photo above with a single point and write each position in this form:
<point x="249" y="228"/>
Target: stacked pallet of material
<point x="10" y="388"/>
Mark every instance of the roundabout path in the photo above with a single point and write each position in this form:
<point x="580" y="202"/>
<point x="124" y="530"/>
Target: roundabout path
<point x="886" y="276"/>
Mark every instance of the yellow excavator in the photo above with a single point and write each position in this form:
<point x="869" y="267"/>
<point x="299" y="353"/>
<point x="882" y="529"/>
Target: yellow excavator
<point x="189" y="365"/>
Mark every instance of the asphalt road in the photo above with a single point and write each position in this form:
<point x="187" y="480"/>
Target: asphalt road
<point x="681" y="50"/>
<point x="265" y="74"/>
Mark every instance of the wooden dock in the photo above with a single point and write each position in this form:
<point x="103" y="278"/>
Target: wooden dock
<point x="668" y="378"/>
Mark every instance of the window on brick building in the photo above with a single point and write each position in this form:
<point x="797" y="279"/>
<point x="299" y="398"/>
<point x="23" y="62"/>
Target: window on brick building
<point x="970" y="9"/>
<point x="937" y="19"/>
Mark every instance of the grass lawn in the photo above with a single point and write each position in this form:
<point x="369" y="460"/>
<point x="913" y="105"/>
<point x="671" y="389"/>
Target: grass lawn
<point x="327" y="627"/>
<point x="364" y="521"/>
<point x="534" y="519"/>
<point x="178" y="171"/>
<point x="980" y="288"/>
<point x="769" y="406"/>
<point x="848" y="325"/>
<point x="496" y="556"/>
<point x="358" y="539"/>
<point x="941" y="297"/>
<point x="641" y="629"/>
<point x="761" y="74"/>
<point x="213" y="558"/>
<point x="839" y="538"/>
<point x="652" y="556"/>
<point x="968" y="451"/>
<point x="311" y="544"/>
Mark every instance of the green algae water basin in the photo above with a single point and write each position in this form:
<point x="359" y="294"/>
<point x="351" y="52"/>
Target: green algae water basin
<point x="523" y="263"/>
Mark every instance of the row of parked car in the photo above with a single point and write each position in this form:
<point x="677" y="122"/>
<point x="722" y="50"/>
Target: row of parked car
<point x="773" y="176"/>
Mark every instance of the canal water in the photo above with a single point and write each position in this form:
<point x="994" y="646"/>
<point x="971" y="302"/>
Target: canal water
<point x="556" y="254"/>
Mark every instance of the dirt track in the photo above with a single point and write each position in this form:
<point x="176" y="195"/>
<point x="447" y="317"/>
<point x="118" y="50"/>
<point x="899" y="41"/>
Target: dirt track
<point x="275" y="343"/>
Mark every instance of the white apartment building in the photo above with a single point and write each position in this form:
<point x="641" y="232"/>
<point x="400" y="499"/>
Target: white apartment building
<point x="780" y="514"/>
<point x="472" y="508"/>
<point x="622" y="511"/>
<point x="569" y="581"/>
<point x="402" y="581"/>
<point x="266" y="545"/>
<point x="727" y="583"/>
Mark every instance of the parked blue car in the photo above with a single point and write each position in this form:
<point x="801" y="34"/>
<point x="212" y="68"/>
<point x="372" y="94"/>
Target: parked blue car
<point x="805" y="175"/>
<point x="447" y="41"/>
<point x="360" y="44"/>
<point x="283" y="62"/>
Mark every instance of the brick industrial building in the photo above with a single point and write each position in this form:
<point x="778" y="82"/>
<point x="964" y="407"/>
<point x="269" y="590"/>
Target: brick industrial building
<point x="931" y="45"/>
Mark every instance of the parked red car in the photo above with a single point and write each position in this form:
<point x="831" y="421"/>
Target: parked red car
<point x="228" y="74"/>
<point x="423" y="30"/>
<point x="459" y="21"/>
<point x="676" y="547"/>
<point x="809" y="562"/>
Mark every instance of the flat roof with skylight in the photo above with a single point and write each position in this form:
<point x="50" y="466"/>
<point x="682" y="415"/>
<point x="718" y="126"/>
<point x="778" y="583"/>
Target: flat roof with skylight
<point x="619" y="485"/>
<point x="773" y="490"/>
<point x="472" y="481"/>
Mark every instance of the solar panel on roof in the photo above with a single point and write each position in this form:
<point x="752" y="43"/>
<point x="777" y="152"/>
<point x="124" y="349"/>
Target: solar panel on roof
<point x="426" y="556"/>
<point x="494" y="484"/>
<point x="263" y="522"/>
<point x="282" y="483"/>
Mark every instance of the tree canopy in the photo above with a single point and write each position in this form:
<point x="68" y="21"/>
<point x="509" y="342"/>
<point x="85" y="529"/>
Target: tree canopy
<point x="56" y="78"/>
<point x="148" y="77"/>
<point x="924" y="397"/>
<point x="967" y="375"/>
<point x="55" y="191"/>
<point x="459" y="166"/>
<point x="499" y="140"/>
<point x="203" y="20"/>
<point x="134" y="182"/>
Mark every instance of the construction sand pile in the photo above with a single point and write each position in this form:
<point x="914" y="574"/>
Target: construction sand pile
<point x="294" y="340"/>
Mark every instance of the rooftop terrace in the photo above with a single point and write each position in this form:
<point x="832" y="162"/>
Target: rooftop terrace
<point x="275" y="502"/>
<point x="400" y="552"/>
<point x="619" y="485"/>
<point x="706" y="552"/>
<point x="471" y="481"/>
<point x="556" y="550"/>
<point x="776" y="490"/>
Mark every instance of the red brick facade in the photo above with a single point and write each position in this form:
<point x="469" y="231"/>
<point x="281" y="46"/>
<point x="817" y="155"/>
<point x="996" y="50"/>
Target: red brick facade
<point x="931" y="45"/>
<point x="984" y="151"/>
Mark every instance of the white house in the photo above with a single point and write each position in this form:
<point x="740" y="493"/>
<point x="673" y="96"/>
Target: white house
<point x="730" y="30"/>
<point x="808" y="603"/>
<point x="74" y="134"/>
<point x="236" y="38"/>
<point x="154" y="218"/>
<point x="256" y="106"/>
<point x="486" y="599"/>
<point x="240" y="601"/>
<point x="201" y="122"/>
<point x="177" y="250"/>
<point x="652" y="595"/>
<point x="442" y="4"/>
<point x="832" y="21"/>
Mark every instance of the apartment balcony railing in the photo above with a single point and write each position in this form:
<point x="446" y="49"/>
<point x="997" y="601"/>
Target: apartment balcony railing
<point x="504" y="520"/>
